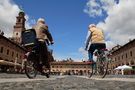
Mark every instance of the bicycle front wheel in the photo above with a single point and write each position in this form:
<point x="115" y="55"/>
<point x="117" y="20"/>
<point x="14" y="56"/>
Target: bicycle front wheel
<point x="30" y="71"/>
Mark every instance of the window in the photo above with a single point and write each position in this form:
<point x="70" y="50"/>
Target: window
<point x="12" y="54"/>
<point x="19" y="20"/>
<point x="131" y="53"/>
<point x="122" y="57"/>
<point x="126" y="55"/>
<point x="20" y="57"/>
<point x="16" y="33"/>
<point x="7" y="51"/>
<point x="1" y="50"/>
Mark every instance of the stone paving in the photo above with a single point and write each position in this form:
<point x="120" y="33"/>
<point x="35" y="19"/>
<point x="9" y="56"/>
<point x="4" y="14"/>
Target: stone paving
<point x="21" y="82"/>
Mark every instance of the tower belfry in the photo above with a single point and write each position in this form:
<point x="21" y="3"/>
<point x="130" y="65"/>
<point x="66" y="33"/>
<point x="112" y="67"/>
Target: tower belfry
<point x="19" y="26"/>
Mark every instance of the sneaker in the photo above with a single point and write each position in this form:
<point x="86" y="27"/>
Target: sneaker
<point x="45" y="74"/>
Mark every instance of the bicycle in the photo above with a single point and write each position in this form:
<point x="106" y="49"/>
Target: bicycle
<point x="33" y="59"/>
<point x="100" y="67"/>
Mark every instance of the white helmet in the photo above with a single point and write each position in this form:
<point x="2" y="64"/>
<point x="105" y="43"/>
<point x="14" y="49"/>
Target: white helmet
<point x="41" y="20"/>
<point x="92" y="25"/>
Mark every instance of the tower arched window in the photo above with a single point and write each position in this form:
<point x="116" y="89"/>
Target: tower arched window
<point x="16" y="33"/>
<point x="19" y="20"/>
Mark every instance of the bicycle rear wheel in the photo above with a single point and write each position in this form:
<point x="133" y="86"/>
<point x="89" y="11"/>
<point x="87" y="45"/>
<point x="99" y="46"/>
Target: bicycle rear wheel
<point x="102" y="67"/>
<point x="30" y="71"/>
<point x="93" y="69"/>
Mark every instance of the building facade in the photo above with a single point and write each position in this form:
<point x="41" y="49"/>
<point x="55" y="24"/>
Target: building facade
<point x="11" y="53"/>
<point x="123" y="55"/>
<point x="70" y="67"/>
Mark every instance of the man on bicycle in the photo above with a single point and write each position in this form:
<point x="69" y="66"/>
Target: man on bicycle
<point x="43" y="35"/>
<point x="96" y="38"/>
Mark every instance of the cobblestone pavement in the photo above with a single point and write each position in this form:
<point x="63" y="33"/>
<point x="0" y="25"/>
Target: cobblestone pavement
<point x="21" y="82"/>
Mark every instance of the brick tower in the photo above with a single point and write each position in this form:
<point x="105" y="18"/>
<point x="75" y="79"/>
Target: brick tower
<point x="19" y="27"/>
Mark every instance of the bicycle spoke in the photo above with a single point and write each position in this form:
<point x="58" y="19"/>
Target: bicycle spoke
<point x="30" y="71"/>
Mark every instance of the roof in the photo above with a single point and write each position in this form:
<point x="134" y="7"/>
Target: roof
<point x="133" y="41"/>
<point x="1" y="36"/>
<point x="69" y="63"/>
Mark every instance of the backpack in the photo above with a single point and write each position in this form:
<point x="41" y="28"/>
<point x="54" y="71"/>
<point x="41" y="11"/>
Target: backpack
<point x="29" y="37"/>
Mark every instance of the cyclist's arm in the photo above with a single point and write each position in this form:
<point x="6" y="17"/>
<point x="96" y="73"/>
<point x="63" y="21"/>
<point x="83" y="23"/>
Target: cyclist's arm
<point x="88" y="39"/>
<point x="46" y="31"/>
<point x="49" y="36"/>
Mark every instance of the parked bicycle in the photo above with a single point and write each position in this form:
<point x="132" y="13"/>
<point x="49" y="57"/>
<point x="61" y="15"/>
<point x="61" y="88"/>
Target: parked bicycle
<point x="100" y="67"/>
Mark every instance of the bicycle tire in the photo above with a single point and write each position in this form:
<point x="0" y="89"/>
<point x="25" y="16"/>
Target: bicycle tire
<point x="92" y="69"/>
<point x="102" y="68"/>
<point x="30" y="71"/>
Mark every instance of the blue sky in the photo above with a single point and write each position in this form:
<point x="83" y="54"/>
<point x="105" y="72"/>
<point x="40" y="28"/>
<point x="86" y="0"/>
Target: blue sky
<point x="68" y="21"/>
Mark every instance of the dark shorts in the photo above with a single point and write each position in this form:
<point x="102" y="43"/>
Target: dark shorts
<point x="95" y="46"/>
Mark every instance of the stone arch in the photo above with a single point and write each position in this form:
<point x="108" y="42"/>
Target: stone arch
<point x="81" y="72"/>
<point x="127" y="63"/>
<point x="132" y="62"/>
<point x="122" y="64"/>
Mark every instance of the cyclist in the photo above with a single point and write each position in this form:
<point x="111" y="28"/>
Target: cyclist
<point x="96" y="37"/>
<point x="43" y="36"/>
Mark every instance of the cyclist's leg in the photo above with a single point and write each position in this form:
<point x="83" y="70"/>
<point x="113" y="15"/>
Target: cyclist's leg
<point x="90" y="52"/>
<point x="90" y="55"/>
<point x="45" y="56"/>
<point x="40" y="55"/>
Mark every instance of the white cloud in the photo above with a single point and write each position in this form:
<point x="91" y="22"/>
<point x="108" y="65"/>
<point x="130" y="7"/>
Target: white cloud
<point x="29" y="22"/>
<point x="97" y="7"/>
<point x="84" y="53"/>
<point x="119" y="25"/>
<point x="120" y="22"/>
<point x="8" y="12"/>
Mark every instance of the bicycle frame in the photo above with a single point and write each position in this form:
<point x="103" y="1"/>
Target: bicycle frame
<point x="101" y="66"/>
<point x="33" y="59"/>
